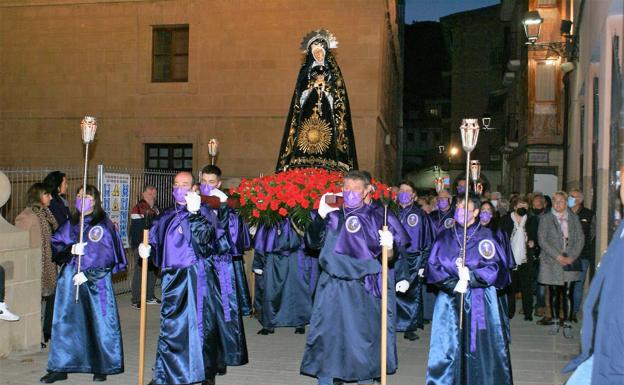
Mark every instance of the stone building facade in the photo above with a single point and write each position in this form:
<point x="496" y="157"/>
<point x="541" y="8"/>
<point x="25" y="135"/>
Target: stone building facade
<point x="65" y="59"/>
<point x="475" y="40"/>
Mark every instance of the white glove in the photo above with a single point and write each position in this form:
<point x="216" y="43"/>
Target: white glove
<point x="461" y="287"/>
<point x="193" y="202"/>
<point x="464" y="273"/>
<point x="78" y="248"/>
<point x="421" y="273"/>
<point x="219" y="194"/>
<point x="402" y="286"/>
<point x="324" y="208"/>
<point x="252" y="230"/>
<point x="144" y="250"/>
<point x="79" y="279"/>
<point x="258" y="271"/>
<point x="386" y="239"/>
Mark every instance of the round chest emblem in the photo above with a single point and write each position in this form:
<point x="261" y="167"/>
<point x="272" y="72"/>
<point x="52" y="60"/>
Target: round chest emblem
<point x="487" y="249"/>
<point x="412" y="220"/>
<point x="449" y="222"/>
<point x="96" y="233"/>
<point x="353" y="224"/>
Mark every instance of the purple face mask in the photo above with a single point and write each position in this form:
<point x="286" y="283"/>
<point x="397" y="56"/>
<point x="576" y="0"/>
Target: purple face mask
<point x="459" y="215"/>
<point x="88" y="204"/>
<point x="443" y="204"/>
<point x="461" y="189"/>
<point x="179" y="193"/>
<point x="485" y="216"/>
<point x="352" y="198"/>
<point x="206" y="189"/>
<point x="404" y="197"/>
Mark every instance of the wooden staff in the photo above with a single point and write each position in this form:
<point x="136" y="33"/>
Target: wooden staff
<point x="143" y="309"/>
<point x="384" y="303"/>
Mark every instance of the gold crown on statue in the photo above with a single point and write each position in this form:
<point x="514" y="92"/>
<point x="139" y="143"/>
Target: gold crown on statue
<point x="322" y="34"/>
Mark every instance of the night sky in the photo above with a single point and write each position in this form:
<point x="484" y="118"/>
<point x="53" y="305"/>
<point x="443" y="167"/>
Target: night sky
<point x="421" y="10"/>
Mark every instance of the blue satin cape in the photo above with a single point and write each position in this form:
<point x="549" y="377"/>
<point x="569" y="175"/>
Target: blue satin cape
<point x="240" y="242"/>
<point x="344" y="337"/>
<point x="410" y="304"/>
<point x="178" y="241"/>
<point x="86" y="336"/>
<point x="284" y="290"/>
<point x="479" y="354"/>
<point x="225" y="343"/>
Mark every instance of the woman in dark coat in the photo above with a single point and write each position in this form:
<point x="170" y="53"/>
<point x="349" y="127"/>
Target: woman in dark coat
<point x="57" y="184"/>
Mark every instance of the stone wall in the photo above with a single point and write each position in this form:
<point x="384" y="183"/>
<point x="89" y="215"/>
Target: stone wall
<point x="22" y="266"/>
<point x="62" y="60"/>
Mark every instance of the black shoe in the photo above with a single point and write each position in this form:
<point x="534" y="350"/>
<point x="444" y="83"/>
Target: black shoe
<point x="412" y="336"/>
<point x="221" y="370"/>
<point x="264" y="332"/>
<point x="210" y="381"/>
<point x="99" y="377"/>
<point x="427" y="322"/>
<point x="528" y="318"/>
<point x="136" y="305"/>
<point x="545" y="321"/>
<point x="573" y="318"/>
<point x="43" y="345"/>
<point x="300" y="330"/>
<point x="53" y="377"/>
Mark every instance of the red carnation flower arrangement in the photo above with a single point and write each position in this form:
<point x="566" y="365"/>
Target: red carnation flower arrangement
<point x="267" y="200"/>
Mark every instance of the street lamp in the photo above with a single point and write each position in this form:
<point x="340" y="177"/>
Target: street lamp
<point x="452" y="152"/>
<point x="532" y="23"/>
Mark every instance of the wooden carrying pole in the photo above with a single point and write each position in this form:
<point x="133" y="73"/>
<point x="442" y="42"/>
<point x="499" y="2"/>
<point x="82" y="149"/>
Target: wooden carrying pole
<point x="384" y="304"/>
<point x="143" y="310"/>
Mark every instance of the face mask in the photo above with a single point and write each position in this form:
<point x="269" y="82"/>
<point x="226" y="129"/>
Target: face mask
<point x="443" y="204"/>
<point x="538" y="211"/>
<point x="485" y="216"/>
<point x="494" y="203"/>
<point x="179" y="193"/>
<point x="205" y="189"/>
<point x="88" y="205"/>
<point x="352" y="198"/>
<point x="521" y="211"/>
<point x="461" y="189"/>
<point x="571" y="202"/>
<point x="459" y="215"/>
<point x="405" y="197"/>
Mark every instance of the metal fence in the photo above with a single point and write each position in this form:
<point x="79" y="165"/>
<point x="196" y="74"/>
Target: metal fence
<point x="22" y="178"/>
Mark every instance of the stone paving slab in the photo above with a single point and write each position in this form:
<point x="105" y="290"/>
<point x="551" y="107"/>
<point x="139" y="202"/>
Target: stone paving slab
<point x="537" y="357"/>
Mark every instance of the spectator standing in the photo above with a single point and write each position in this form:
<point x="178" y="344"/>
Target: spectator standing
<point x="57" y="185"/>
<point x="521" y="228"/>
<point x="39" y="221"/>
<point x="561" y="240"/>
<point x="588" y="223"/>
<point x="141" y="215"/>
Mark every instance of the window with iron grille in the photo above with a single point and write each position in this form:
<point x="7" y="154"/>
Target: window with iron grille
<point x="170" y="53"/>
<point x="169" y="156"/>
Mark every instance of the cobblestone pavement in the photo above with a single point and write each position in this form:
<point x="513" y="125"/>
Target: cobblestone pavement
<point x="537" y="357"/>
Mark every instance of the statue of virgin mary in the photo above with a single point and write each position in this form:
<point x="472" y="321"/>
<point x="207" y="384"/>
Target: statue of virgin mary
<point x="318" y="131"/>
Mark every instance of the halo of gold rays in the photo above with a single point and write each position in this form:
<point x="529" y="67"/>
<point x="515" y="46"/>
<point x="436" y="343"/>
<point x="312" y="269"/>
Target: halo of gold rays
<point x="315" y="135"/>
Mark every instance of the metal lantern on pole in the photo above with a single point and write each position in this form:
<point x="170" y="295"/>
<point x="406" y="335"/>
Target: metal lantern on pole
<point x="475" y="172"/>
<point x="213" y="150"/>
<point x="88" y="127"/>
<point x="469" y="133"/>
